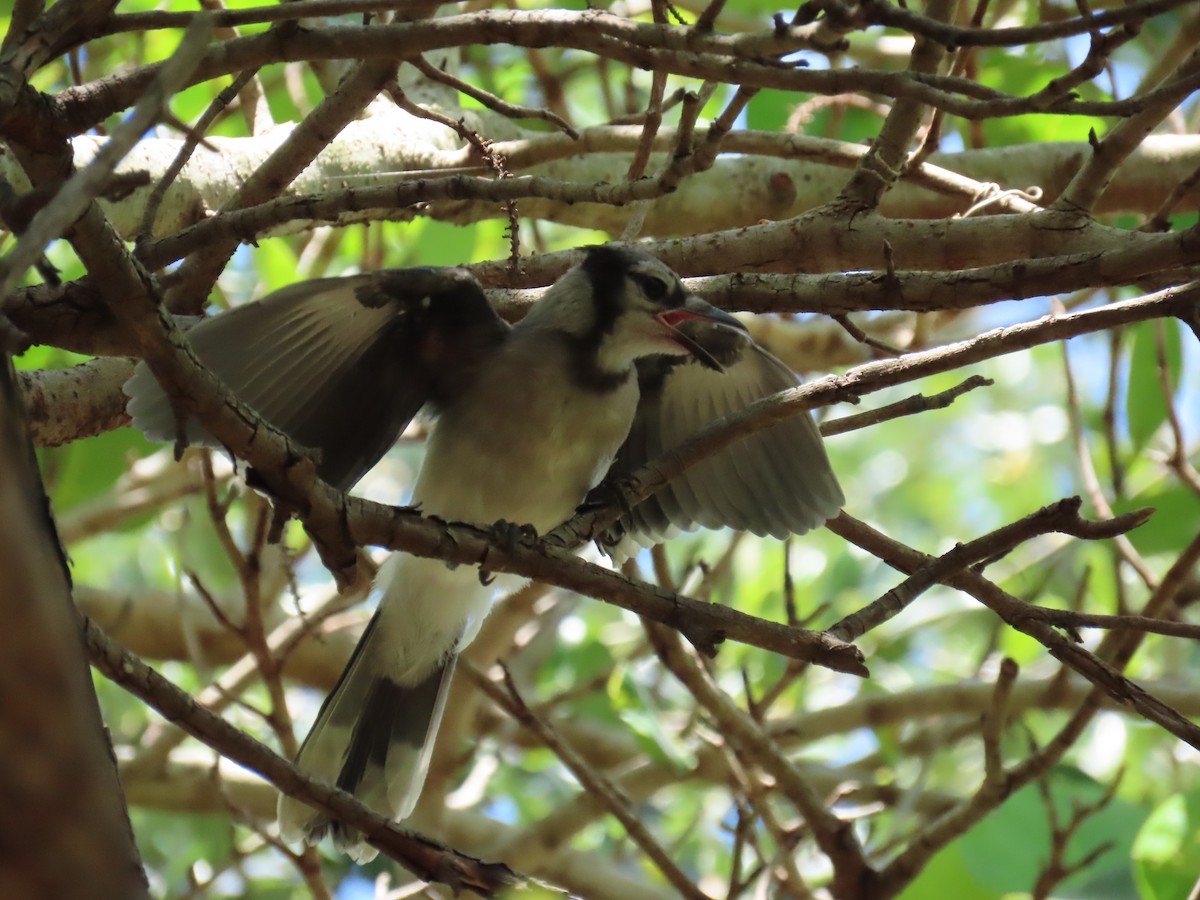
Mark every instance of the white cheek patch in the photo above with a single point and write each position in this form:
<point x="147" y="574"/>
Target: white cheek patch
<point x="636" y="335"/>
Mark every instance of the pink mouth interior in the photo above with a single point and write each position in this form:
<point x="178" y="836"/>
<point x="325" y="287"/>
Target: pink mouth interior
<point x="673" y="317"/>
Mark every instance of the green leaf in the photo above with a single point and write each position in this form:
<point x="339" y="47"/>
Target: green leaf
<point x="275" y="262"/>
<point x="1174" y="523"/>
<point x="639" y="713"/>
<point x="85" y="469"/>
<point x="990" y="860"/>
<point x="947" y="875"/>
<point x="1145" y="404"/>
<point x="441" y="244"/>
<point x="769" y="110"/>
<point x="43" y="356"/>
<point x="171" y="844"/>
<point x="1166" y="853"/>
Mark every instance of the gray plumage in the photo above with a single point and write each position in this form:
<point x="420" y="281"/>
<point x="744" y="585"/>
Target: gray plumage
<point x="774" y="482"/>
<point x="341" y="365"/>
<point x="616" y="363"/>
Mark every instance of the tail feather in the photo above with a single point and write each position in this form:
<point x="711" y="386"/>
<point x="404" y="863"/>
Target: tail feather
<point x="373" y="737"/>
<point x="390" y="746"/>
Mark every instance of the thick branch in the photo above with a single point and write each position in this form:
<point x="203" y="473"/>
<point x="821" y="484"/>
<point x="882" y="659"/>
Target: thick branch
<point x="70" y="404"/>
<point x="64" y="831"/>
<point x="712" y="57"/>
<point x="421" y="856"/>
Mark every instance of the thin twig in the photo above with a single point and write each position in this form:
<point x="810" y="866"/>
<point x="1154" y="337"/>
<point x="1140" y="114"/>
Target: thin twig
<point x="491" y="101"/>
<point x="192" y="139"/>
<point x="1091" y="479"/>
<point x="1062" y="517"/>
<point x="423" y="857"/>
<point x="994" y="721"/>
<point x="86" y="184"/>
<point x="835" y="837"/>
<point x="509" y="699"/>
<point x="909" y="406"/>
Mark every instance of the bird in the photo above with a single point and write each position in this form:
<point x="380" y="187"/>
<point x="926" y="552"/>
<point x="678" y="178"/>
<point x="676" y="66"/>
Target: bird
<point x="616" y="363"/>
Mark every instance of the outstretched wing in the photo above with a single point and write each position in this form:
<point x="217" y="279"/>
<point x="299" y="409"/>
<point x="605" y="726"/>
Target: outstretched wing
<point x="341" y="365"/>
<point x="776" y="482"/>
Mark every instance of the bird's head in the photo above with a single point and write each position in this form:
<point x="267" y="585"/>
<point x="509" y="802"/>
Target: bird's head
<point x="623" y="305"/>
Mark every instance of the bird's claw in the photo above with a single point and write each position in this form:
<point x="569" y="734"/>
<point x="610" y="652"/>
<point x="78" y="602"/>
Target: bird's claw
<point x="511" y="535"/>
<point x="611" y="493"/>
<point x="610" y="537"/>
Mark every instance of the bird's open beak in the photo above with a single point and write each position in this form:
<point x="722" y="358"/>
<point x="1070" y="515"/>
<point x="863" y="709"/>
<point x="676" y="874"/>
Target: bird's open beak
<point x="698" y="318"/>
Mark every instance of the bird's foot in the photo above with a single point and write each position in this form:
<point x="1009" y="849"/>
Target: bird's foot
<point x="508" y="536"/>
<point x="590" y="521"/>
<point x="511" y="535"/>
<point x="608" y="539"/>
<point x="612" y="493"/>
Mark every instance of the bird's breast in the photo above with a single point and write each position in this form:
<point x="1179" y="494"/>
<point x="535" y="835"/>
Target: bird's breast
<point x="525" y="446"/>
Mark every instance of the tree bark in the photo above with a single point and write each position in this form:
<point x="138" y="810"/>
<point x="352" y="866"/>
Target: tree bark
<point x="64" y="829"/>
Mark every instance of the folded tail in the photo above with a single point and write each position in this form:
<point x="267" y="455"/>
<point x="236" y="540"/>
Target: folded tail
<point x="373" y="737"/>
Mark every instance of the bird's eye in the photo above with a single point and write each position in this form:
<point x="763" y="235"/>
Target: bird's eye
<point x="653" y="288"/>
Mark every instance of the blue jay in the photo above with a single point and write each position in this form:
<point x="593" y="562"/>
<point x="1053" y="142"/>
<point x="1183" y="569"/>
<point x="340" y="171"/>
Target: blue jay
<point x="614" y="365"/>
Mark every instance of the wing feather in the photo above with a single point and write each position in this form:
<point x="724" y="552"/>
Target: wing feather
<point x="776" y="482"/>
<point x="339" y="364"/>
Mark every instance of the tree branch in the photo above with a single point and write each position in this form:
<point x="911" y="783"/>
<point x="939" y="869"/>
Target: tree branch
<point x="423" y="857"/>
